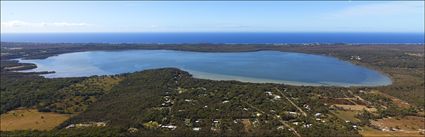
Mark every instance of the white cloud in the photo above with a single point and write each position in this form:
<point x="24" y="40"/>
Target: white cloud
<point x="24" y="26"/>
<point x="67" y="24"/>
<point x="18" y="23"/>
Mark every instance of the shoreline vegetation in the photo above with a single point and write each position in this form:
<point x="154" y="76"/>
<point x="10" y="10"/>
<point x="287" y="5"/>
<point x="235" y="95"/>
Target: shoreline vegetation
<point x="175" y="103"/>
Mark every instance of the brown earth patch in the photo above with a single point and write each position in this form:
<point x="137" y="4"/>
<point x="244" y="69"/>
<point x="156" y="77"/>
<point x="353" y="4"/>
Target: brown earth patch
<point x="30" y="119"/>
<point x="247" y="125"/>
<point x="408" y="123"/>
<point x="355" y="107"/>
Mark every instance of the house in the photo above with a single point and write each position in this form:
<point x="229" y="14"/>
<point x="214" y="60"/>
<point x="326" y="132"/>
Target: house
<point x="355" y="58"/>
<point x="132" y="130"/>
<point x="70" y="126"/>
<point x="172" y="127"/>
<point x="269" y="93"/>
<point x="100" y="124"/>
<point x="293" y="113"/>
<point x="89" y="124"/>
<point x="306" y="107"/>
<point x="196" y="128"/>
<point x="82" y="125"/>
<point x="280" y="128"/>
<point x="307" y="125"/>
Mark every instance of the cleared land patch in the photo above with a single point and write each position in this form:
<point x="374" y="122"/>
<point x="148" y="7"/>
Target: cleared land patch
<point x="406" y="123"/>
<point x="356" y="107"/>
<point x="347" y="115"/>
<point x="30" y="119"/>
<point x="371" y="132"/>
<point x="247" y="124"/>
<point x="398" y="102"/>
<point x="406" y="126"/>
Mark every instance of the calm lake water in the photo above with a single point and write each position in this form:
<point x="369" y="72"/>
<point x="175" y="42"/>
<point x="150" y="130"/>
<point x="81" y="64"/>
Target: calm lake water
<point x="262" y="66"/>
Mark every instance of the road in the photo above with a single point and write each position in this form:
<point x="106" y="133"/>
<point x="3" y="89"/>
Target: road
<point x="293" y="104"/>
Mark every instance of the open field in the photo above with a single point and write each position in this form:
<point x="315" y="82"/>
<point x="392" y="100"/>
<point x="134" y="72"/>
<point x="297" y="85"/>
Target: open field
<point x="347" y="115"/>
<point x="247" y="124"/>
<point x="30" y="119"/>
<point x="406" y="123"/>
<point x="355" y="107"/>
<point x="406" y="126"/>
<point x="398" y="102"/>
<point x="370" y="132"/>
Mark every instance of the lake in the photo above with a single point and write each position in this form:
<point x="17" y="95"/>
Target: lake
<point x="259" y="67"/>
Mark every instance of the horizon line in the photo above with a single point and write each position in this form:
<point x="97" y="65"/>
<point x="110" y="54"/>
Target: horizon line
<point x="215" y="32"/>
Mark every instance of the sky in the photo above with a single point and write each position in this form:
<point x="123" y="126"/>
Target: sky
<point x="210" y="16"/>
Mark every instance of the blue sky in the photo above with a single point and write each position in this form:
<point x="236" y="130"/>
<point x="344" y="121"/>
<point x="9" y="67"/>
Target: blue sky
<point x="191" y="16"/>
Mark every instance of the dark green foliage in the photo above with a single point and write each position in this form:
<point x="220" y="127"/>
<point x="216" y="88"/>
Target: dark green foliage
<point x="29" y="91"/>
<point x="83" y="132"/>
<point x="130" y="102"/>
<point x="141" y="97"/>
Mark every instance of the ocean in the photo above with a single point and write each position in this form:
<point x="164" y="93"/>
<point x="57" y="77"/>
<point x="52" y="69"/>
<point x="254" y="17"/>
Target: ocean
<point x="235" y="38"/>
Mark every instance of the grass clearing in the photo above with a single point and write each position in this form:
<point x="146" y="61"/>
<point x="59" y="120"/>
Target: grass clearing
<point x="347" y="115"/>
<point x="355" y="107"/>
<point x="403" y="127"/>
<point x="247" y="125"/>
<point x="30" y="119"/>
<point x="371" y="132"/>
<point x="408" y="123"/>
<point x="398" y="102"/>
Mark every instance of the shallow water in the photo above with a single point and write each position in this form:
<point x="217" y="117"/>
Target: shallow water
<point x="260" y="67"/>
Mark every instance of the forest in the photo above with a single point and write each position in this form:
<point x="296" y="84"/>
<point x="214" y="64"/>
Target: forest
<point x="170" y="102"/>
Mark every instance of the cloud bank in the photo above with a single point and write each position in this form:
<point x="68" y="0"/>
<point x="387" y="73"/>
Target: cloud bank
<point x="18" y="23"/>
